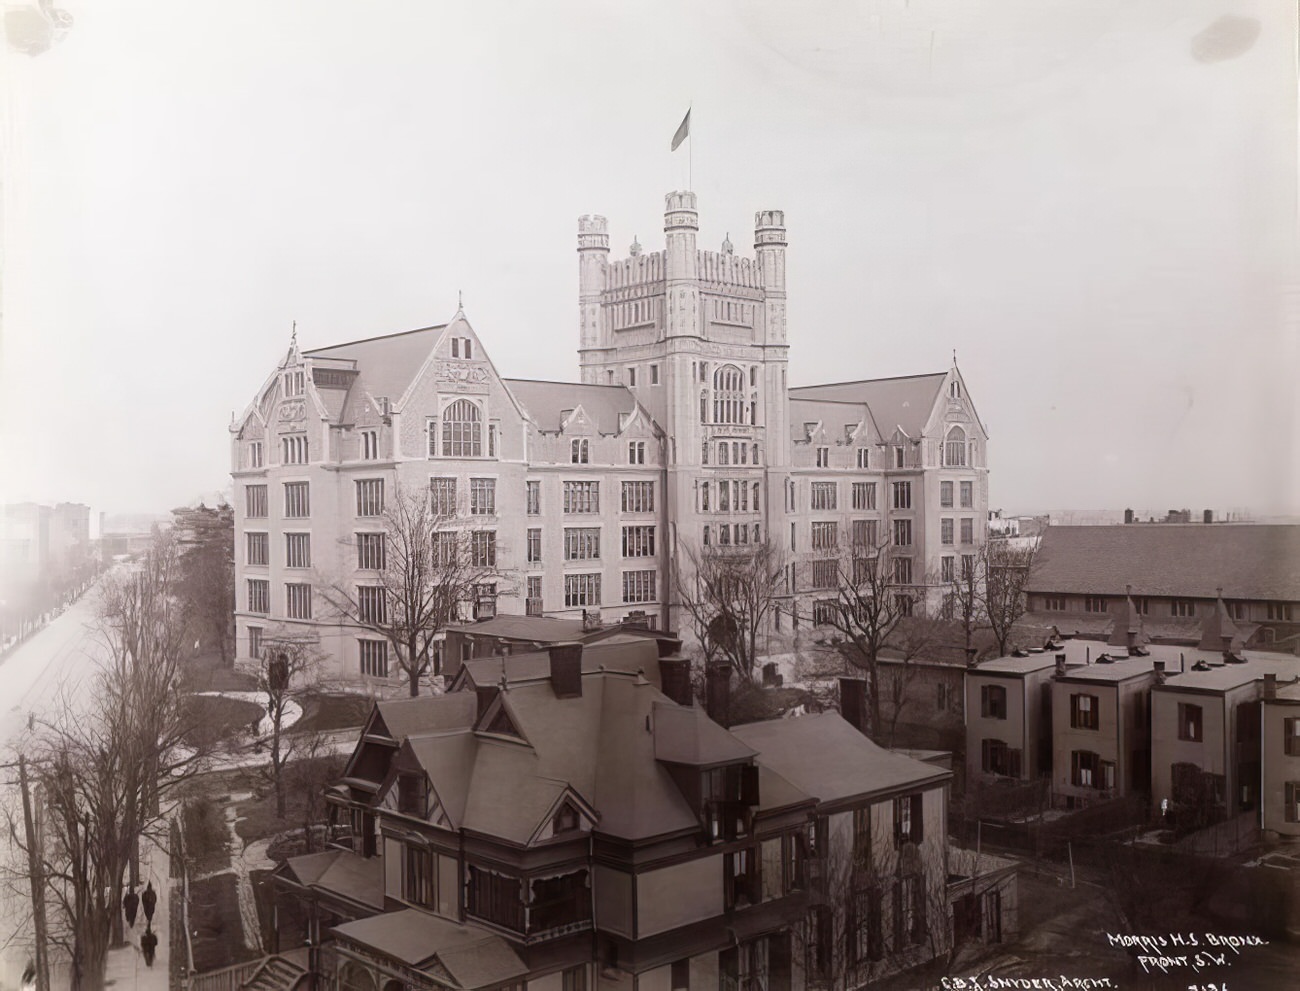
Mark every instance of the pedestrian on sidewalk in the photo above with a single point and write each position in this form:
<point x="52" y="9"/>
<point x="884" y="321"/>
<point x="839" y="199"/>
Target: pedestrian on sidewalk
<point x="148" y="900"/>
<point x="130" y="902"/>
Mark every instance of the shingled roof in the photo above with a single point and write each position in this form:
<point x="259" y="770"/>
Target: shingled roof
<point x="386" y="365"/>
<point x="548" y="403"/>
<point x="1248" y="561"/>
<point x="906" y="401"/>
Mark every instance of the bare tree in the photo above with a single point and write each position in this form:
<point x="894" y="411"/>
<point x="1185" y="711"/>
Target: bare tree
<point x="317" y="767"/>
<point x="876" y="592"/>
<point x="106" y="770"/>
<point x="425" y="570"/>
<point x="911" y="637"/>
<point x="728" y="593"/>
<point x="1005" y="574"/>
<point x="288" y="659"/>
<point x="207" y="572"/>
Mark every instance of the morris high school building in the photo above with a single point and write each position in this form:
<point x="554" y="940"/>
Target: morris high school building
<point x="683" y="432"/>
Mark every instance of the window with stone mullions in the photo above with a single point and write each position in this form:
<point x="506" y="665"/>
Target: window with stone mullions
<point x="825" y="536"/>
<point x="297" y="549"/>
<point x="638" y="586"/>
<point x="638" y="497"/>
<point x="581" y="590"/>
<point x="483" y="549"/>
<point x="297" y="500"/>
<point x="482" y="496"/>
<point x="581" y="497"/>
<point x="372" y="605"/>
<point x="370" y="497"/>
<point x="728" y="395"/>
<point x="255" y="501"/>
<point x="255" y="549"/>
<point x="638" y="541"/>
<point x="823" y="496"/>
<point x="462" y="430"/>
<point x="581" y="543"/>
<point x="864" y="495"/>
<point x="370" y="551"/>
<point x="298" y="600"/>
<point x="442" y="497"/>
<point x="259" y="595"/>
<point x="374" y="658"/>
<point x="825" y="574"/>
<point x="534" y="545"/>
<point x="902" y="533"/>
<point x="902" y="495"/>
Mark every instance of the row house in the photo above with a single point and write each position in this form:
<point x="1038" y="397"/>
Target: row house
<point x="1175" y="576"/>
<point x="558" y="820"/>
<point x="582" y="498"/>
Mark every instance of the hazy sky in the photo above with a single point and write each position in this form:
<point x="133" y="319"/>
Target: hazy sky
<point x="1093" y="202"/>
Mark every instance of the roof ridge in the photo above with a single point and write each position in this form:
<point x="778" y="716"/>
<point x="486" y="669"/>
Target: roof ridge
<point x="377" y="337"/>
<point x="585" y="385"/>
<point x="886" y="378"/>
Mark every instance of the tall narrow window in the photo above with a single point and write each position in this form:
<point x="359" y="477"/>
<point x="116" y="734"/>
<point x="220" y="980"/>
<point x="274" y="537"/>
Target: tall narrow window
<point x="369" y="445"/>
<point x="954" y="448"/>
<point x="579" y="451"/>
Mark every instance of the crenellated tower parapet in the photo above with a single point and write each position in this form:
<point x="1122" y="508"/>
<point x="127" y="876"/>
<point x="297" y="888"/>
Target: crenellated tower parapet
<point x="593" y="265"/>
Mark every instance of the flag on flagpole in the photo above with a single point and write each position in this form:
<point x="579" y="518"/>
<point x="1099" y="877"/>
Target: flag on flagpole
<point x="683" y="131"/>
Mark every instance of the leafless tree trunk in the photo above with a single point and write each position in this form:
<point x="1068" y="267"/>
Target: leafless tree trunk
<point x="1005" y="575"/>
<point x="728" y="593"/>
<point x="424" y="569"/>
<point x="288" y="659"/>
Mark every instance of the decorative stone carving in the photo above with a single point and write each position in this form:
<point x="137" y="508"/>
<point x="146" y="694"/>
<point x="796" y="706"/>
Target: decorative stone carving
<point x="293" y="409"/>
<point x="461" y="373"/>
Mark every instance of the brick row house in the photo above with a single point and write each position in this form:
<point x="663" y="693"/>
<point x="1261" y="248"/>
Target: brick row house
<point x="558" y="821"/>
<point x="584" y="497"/>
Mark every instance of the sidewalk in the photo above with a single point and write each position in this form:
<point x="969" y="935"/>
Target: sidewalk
<point x="126" y="967"/>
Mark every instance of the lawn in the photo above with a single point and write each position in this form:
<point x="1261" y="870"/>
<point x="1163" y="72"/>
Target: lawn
<point x="322" y="712"/>
<point x="216" y="932"/>
<point x="215" y="719"/>
<point x="305" y="781"/>
<point x="206" y="673"/>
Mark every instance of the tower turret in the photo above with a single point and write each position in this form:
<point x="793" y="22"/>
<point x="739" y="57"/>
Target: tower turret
<point x="769" y="247"/>
<point x="593" y="263"/>
<point x="681" y="265"/>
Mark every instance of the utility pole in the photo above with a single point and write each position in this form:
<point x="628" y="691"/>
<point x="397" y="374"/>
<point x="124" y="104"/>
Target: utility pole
<point x="36" y="876"/>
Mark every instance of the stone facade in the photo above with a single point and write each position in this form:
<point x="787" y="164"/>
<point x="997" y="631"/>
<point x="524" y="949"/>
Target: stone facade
<point x="683" y="393"/>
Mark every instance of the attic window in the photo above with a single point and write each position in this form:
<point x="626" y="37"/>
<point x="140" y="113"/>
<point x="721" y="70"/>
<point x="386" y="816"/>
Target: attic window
<point x="566" y="820"/>
<point x="954" y="390"/>
<point x="412" y="796"/>
<point x="502" y="724"/>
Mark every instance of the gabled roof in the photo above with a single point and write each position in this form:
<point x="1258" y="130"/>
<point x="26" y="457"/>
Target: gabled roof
<point x="341" y="873"/>
<point x="386" y="365"/>
<point x="685" y="735"/>
<point x="833" y="415"/>
<point x="471" y="957"/>
<point x="426" y="714"/>
<point x="823" y="756"/>
<point x="1193" y="560"/>
<point x="906" y="401"/>
<point x="550" y="403"/>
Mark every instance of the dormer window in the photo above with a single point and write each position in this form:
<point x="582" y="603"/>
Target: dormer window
<point x="566" y="820"/>
<point x="954" y="389"/>
<point x="726" y="794"/>
<point x="580" y="452"/>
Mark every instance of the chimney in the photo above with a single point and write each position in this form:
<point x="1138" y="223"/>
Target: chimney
<point x="566" y="670"/>
<point x="1159" y="668"/>
<point x="1060" y="665"/>
<point x="675" y="679"/>
<point x="971" y="653"/>
<point x="1270" y="686"/>
<point x="853" y="703"/>
<point x="717" y="701"/>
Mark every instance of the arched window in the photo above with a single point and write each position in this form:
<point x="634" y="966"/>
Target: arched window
<point x="954" y="449"/>
<point x="462" y="430"/>
<point x="728" y="395"/>
<point x="354" y="977"/>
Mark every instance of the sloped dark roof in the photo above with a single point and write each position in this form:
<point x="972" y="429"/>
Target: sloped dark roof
<point x="833" y="415"/>
<point x="387" y="365"/>
<point x="906" y="401"/>
<point x="548" y="403"/>
<point x="427" y="713"/>
<point x="542" y="629"/>
<point x="685" y="735"/>
<point x="340" y="872"/>
<point x="1247" y="560"/>
<point x="625" y="654"/>
<point x="826" y="758"/>
<point x="473" y="957"/>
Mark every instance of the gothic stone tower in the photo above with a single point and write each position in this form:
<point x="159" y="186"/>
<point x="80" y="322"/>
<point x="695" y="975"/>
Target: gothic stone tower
<point x="700" y="338"/>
